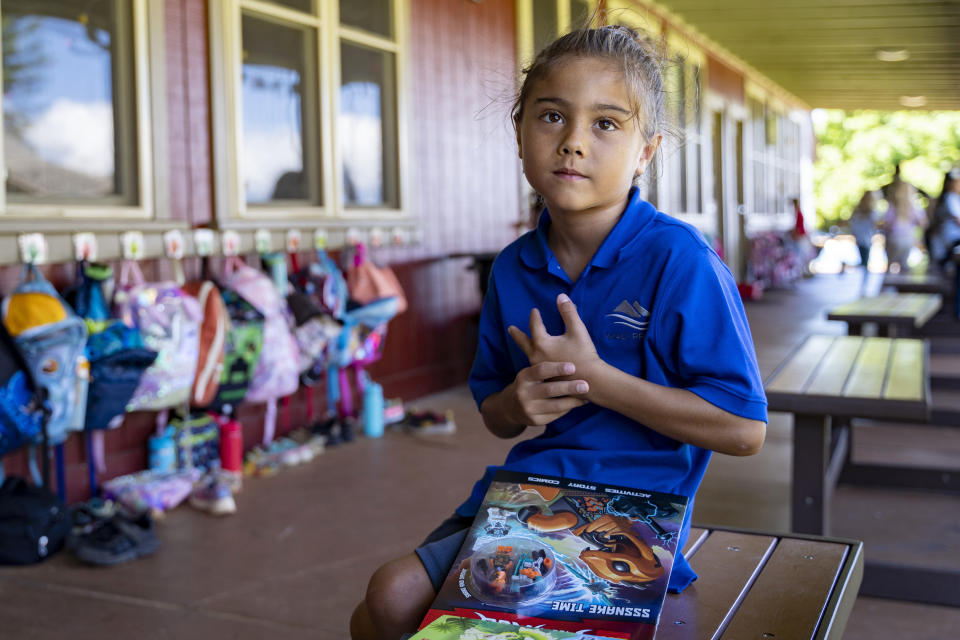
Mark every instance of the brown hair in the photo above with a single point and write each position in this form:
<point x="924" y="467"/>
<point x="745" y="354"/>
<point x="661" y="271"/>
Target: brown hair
<point x="636" y="57"/>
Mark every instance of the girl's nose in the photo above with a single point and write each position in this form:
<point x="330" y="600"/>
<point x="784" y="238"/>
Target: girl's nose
<point x="569" y="149"/>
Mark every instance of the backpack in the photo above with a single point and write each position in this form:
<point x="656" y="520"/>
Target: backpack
<point x="33" y="523"/>
<point x="244" y="341"/>
<point x="21" y="404"/>
<point x="169" y="323"/>
<point x="323" y="284"/>
<point x="367" y="282"/>
<point x="277" y="372"/>
<point x="213" y="337"/>
<point x="52" y="339"/>
<point x="117" y="355"/>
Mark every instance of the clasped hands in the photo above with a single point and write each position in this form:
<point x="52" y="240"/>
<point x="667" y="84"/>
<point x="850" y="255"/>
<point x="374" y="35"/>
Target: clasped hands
<point x="556" y="380"/>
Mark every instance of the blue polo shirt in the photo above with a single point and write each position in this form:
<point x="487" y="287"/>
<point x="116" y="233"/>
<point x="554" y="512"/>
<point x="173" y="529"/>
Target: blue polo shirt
<point x="660" y="305"/>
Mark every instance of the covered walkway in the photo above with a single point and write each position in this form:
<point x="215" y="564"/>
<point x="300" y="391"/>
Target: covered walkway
<point x="295" y="559"/>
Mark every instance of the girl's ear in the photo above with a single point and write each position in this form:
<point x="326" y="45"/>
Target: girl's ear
<point x="647" y="153"/>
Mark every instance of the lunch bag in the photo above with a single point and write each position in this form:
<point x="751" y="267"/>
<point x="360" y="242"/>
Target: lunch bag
<point x="33" y="523"/>
<point x="169" y="323"/>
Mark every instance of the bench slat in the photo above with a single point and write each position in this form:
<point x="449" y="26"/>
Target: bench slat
<point x="726" y="563"/>
<point x="866" y="379"/>
<point x="788" y="598"/>
<point x="905" y="380"/>
<point x="837" y="365"/>
<point x="697" y="536"/>
<point x="796" y="373"/>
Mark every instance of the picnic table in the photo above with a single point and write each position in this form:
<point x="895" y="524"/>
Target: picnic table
<point x="917" y="283"/>
<point x="828" y="379"/>
<point x="759" y="585"/>
<point x="895" y="314"/>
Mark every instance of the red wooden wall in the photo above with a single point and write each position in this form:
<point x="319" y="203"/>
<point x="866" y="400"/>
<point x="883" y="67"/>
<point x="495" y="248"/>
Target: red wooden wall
<point x="465" y="185"/>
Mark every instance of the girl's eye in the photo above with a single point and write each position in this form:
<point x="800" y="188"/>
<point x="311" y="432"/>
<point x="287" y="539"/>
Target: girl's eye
<point x="606" y="124"/>
<point x="551" y="116"/>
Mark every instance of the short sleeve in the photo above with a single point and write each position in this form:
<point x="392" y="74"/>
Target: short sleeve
<point x="492" y="370"/>
<point x="703" y="336"/>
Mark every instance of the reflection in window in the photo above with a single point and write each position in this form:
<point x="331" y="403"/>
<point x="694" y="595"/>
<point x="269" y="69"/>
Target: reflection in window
<point x="277" y="160"/>
<point x="68" y="115"/>
<point x="367" y="127"/>
<point x="375" y="16"/>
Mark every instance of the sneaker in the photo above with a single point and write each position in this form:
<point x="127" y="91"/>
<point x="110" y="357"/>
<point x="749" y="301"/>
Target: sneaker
<point x="86" y="517"/>
<point x="429" y="423"/>
<point x="120" y="539"/>
<point x="213" y="496"/>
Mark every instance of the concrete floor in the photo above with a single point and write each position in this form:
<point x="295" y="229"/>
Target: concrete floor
<point x="296" y="557"/>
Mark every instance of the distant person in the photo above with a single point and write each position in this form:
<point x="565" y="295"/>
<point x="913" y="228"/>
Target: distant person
<point x="801" y="241"/>
<point x="900" y="225"/>
<point x="944" y="231"/>
<point x="863" y="225"/>
<point x="898" y="179"/>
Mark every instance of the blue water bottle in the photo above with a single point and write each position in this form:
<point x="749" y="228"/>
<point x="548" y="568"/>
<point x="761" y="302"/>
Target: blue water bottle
<point x="373" y="410"/>
<point x="163" y="451"/>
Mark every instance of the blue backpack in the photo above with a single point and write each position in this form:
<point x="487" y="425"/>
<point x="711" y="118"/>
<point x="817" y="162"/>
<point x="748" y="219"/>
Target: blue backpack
<point x="117" y="355"/>
<point x="52" y="339"/>
<point x="21" y="406"/>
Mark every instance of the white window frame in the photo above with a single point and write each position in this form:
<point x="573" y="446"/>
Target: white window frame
<point x="232" y="210"/>
<point x="147" y="27"/>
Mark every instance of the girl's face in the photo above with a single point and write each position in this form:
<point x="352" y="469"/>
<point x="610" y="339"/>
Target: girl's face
<point x="581" y="146"/>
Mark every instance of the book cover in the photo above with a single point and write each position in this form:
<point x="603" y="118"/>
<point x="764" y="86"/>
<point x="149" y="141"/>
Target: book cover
<point x="454" y="628"/>
<point x="567" y="555"/>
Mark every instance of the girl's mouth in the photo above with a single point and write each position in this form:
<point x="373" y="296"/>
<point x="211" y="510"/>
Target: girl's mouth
<point x="568" y="174"/>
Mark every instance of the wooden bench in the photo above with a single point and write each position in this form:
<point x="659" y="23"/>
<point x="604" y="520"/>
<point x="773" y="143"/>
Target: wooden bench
<point x="830" y="377"/>
<point x="895" y="314"/>
<point x="754" y="585"/>
<point x="757" y="585"/>
<point x="918" y="283"/>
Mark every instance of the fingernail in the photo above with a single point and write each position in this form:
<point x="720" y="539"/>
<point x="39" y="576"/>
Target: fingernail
<point x="581" y="387"/>
<point x="568" y="368"/>
<point x="563" y="298"/>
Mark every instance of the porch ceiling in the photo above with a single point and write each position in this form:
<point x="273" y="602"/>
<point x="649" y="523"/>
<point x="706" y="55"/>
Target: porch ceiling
<point x="824" y="51"/>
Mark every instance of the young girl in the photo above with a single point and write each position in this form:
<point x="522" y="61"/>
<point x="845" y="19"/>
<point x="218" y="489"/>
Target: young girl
<point x="639" y="361"/>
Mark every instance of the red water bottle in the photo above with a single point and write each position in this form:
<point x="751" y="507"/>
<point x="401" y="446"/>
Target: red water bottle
<point x="231" y="444"/>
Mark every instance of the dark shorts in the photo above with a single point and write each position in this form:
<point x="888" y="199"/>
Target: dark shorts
<point x="440" y="548"/>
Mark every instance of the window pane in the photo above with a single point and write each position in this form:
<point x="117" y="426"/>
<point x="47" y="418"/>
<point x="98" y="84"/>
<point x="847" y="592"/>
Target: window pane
<point x="279" y="136"/>
<point x="367" y="129"/>
<point x="299" y="5"/>
<point x="371" y="15"/>
<point x="68" y="115"/>
<point x="544" y="23"/>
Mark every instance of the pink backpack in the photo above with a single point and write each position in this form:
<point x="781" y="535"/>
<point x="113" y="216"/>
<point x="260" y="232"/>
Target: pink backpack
<point x="169" y="322"/>
<point x="278" y="371"/>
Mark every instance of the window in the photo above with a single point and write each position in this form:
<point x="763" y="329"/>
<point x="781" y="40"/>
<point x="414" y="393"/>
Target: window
<point x="76" y="114"/>
<point x="540" y="22"/>
<point x="773" y="156"/>
<point x="681" y="188"/>
<point x="311" y="109"/>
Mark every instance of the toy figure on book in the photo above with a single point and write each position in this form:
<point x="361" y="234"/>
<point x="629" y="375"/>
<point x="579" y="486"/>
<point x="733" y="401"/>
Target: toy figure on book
<point x="561" y="555"/>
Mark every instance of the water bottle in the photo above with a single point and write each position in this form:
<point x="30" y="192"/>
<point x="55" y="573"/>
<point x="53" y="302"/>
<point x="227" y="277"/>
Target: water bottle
<point x="163" y="451"/>
<point x="373" y="410"/>
<point x="231" y="445"/>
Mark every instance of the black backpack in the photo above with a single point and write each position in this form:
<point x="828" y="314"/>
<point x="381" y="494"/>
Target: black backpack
<point x="33" y="523"/>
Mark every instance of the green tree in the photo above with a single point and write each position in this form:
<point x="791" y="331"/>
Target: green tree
<point x="858" y="150"/>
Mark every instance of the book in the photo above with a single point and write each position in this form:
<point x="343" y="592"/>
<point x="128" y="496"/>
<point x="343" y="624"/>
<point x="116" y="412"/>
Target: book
<point x="558" y="554"/>
<point x="455" y="628"/>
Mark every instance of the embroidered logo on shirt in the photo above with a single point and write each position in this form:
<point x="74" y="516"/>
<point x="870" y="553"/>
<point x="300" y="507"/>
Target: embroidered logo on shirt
<point x="627" y="322"/>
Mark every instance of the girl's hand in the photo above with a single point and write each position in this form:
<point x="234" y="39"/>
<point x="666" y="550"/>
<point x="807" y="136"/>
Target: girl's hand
<point x="537" y="396"/>
<point x="574" y="345"/>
